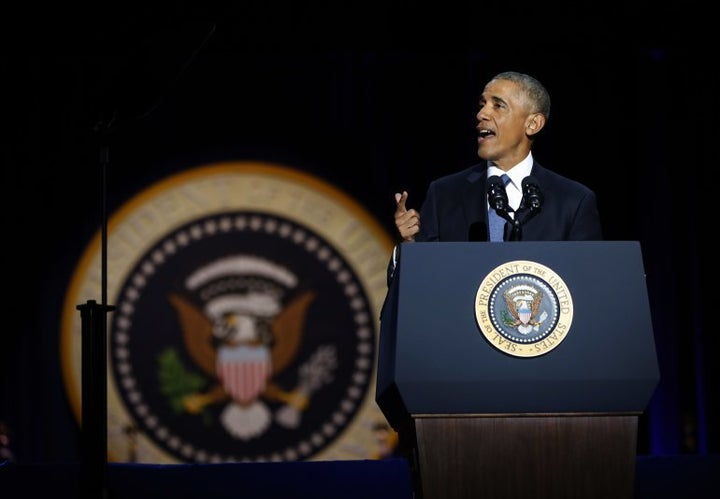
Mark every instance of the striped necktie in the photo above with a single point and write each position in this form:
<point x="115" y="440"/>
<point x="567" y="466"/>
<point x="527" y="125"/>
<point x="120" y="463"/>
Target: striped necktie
<point x="496" y="223"/>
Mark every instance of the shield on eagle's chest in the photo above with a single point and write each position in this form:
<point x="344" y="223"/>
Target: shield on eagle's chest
<point x="244" y="371"/>
<point x="524" y="312"/>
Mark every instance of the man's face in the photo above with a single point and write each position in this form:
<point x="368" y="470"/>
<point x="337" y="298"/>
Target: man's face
<point x="502" y="121"/>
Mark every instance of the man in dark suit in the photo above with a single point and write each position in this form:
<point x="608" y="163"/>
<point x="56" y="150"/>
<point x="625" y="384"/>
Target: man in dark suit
<point x="514" y="108"/>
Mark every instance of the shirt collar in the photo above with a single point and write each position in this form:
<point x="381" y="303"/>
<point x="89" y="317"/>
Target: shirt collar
<point x="516" y="173"/>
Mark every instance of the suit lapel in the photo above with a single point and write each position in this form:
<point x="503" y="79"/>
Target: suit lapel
<point x="474" y="200"/>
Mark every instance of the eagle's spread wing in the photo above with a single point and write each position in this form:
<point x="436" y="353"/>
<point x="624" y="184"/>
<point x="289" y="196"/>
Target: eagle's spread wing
<point x="511" y="306"/>
<point x="535" y="306"/>
<point x="287" y="330"/>
<point x="197" y="333"/>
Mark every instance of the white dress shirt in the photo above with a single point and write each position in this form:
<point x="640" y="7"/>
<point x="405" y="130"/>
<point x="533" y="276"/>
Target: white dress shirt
<point x="517" y="173"/>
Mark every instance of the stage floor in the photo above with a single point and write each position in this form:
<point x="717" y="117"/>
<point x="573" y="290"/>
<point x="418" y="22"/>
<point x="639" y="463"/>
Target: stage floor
<point x="656" y="477"/>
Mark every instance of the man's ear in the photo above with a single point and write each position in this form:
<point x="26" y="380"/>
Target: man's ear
<point x="535" y="123"/>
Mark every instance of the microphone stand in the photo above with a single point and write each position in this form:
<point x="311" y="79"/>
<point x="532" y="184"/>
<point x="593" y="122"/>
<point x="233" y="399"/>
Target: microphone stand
<point x="94" y="373"/>
<point x="94" y="331"/>
<point x="515" y="229"/>
<point x="517" y="223"/>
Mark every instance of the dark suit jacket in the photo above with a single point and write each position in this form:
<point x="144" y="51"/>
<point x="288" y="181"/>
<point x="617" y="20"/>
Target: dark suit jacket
<point x="455" y="208"/>
<point x="457" y="201"/>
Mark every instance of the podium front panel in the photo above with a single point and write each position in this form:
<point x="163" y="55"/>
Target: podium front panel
<point x="435" y="359"/>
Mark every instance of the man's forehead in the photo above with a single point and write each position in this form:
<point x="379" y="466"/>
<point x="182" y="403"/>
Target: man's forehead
<point x="503" y="91"/>
<point x="502" y="88"/>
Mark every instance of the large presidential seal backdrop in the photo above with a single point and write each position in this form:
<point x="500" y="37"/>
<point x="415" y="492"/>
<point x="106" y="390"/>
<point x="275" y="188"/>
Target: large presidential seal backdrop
<point x="246" y="308"/>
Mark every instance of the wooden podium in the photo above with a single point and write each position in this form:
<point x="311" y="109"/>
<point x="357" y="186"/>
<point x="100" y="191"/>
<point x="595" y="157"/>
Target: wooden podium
<point x="494" y="417"/>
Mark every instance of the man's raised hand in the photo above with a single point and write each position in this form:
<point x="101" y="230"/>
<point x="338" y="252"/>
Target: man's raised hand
<point x="406" y="221"/>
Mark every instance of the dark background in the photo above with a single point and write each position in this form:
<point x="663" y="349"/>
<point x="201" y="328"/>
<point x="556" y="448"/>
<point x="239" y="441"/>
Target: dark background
<point x="373" y="99"/>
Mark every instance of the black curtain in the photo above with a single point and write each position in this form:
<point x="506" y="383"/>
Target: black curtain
<point x="167" y="92"/>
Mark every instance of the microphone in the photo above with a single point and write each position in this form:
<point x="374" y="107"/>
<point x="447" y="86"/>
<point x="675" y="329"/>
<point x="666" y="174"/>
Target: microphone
<point x="477" y="231"/>
<point x="532" y="195"/>
<point x="498" y="200"/>
<point x="497" y="196"/>
<point x="531" y="203"/>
